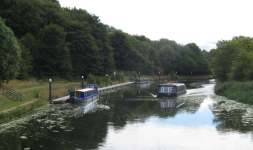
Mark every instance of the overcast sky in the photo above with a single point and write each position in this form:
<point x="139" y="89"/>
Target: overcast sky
<point x="203" y="22"/>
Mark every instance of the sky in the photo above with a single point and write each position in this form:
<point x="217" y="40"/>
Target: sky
<point x="203" y="22"/>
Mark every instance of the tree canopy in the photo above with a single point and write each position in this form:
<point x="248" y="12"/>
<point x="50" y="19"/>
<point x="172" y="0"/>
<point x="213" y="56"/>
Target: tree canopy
<point x="10" y="53"/>
<point x="70" y="42"/>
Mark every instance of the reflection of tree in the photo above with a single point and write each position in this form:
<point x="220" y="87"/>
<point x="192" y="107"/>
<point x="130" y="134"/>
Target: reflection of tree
<point x="232" y="120"/>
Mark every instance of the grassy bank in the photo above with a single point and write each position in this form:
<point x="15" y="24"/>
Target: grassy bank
<point x="239" y="91"/>
<point x="38" y="91"/>
<point x="21" y="110"/>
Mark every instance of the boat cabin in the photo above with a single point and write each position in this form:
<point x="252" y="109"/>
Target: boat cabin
<point x="89" y="92"/>
<point x="171" y="89"/>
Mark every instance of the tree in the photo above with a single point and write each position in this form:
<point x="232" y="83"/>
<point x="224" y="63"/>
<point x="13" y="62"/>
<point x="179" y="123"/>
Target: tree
<point x="10" y="54"/>
<point x="29" y="42"/>
<point x="194" y="48"/>
<point x="167" y="57"/>
<point x="85" y="56"/>
<point x="54" y="54"/>
<point x="25" y="63"/>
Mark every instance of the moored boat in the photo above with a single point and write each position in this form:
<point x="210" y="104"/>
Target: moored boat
<point x="143" y="80"/>
<point x="171" y="89"/>
<point x="87" y="94"/>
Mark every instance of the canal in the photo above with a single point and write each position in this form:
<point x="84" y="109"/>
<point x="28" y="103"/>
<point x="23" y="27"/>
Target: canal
<point x="130" y="118"/>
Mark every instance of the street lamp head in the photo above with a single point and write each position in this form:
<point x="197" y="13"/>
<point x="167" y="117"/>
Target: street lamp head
<point x="159" y="72"/>
<point x="122" y="74"/>
<point x="139" y="73"/>
<point x="82" y="76"/>
<point x="106" y="74"/>
<point x="176" y="72"/>
<point x="50" y="80"/>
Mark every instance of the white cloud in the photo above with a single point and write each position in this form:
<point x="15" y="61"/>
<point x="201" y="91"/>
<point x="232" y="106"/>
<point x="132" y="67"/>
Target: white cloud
<point x="184" y="21"/>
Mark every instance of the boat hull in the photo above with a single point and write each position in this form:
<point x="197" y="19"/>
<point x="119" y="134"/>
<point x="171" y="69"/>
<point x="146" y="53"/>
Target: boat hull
<point x="170" y="94"/>
<point x="82" y="100"/>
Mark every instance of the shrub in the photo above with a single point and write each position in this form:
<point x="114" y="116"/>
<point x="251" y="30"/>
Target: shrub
<point x="91" y="79"/>
<point x="118" y="76"/>
<point x="98" y="80"/>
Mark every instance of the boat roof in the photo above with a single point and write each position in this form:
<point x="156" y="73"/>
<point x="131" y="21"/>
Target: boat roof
<point x="84" y="90"/>
<point x="172" y="84"/>
<point x="91" y="84"/>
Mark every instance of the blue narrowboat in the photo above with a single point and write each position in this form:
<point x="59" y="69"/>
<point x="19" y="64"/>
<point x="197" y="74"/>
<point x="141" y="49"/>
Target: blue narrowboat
<point x="87" y="94"/>
<point x="171" y="89"/>
<point x="141" y="81"/>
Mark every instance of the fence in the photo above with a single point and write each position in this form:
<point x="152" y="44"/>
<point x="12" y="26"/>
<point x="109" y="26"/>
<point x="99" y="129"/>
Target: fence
<point x="12" y="93"/>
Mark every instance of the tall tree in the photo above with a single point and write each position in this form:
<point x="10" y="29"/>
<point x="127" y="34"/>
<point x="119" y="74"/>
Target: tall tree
<point x="10" y="53"/>
<point x="85" y="55"/>
<point x="54" y="54"/>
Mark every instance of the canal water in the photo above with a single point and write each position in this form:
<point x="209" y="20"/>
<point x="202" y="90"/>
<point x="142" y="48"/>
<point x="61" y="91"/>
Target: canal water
<point x="130" y="118"/>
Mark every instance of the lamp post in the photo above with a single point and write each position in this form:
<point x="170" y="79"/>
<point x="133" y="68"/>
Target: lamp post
<point x="159" y="77"/>
<point x="50" y="97"/>
<point x="191" y="75"/>
<point x="139" y="77"/>
<point x="106" y="79"/>
<point x="82" y="82"/>
<point x="176" y="76"/>
<point x="122" y="77"/>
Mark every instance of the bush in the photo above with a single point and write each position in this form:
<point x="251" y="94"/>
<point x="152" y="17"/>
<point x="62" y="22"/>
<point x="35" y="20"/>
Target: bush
<point x="239" y="91"/>
<point x="113" y="77"/>
<point x="91" y="79"/>
<point x="98" y="80"/>
<point x="118" y="76"/>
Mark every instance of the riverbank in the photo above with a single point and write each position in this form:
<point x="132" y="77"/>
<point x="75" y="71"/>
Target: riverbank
<point x="238" y="91"/>
<point x="35" y="93"/>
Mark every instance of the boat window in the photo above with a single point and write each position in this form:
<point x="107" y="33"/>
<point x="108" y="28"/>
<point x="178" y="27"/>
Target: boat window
<point x="165" y="89"/>
<point x="173" y="89"/>
<point x="90" y="86"/>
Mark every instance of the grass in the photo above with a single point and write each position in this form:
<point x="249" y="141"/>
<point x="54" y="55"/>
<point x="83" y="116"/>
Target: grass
<point x="238" y="91"/>
<point x="21" y="110"/>
<point x="29" y="89"/>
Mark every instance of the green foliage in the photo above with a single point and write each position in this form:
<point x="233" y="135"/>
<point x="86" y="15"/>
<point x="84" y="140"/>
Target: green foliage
<point x="239" y="91"/>
<point x="66" y="42"/>
<point x="91" y="79"/>
<point x="167" y="57"/>
<point x="54" y="54"/>
<point x="233" y="59"/>
<point x="21" y="110"/>
<point x="98" y="80"/>
<point x="118" y="76"/>
<point x="25" y="63"/>
<point x="10" y="53"/>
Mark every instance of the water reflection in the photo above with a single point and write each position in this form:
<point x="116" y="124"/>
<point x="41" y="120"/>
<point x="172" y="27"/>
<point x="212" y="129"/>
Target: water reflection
<point x="130" y="118"/>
